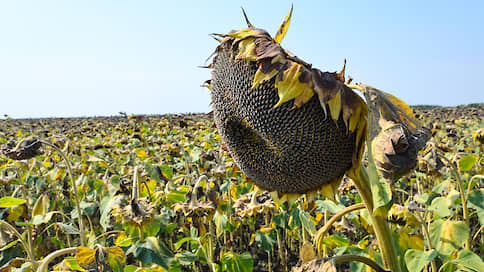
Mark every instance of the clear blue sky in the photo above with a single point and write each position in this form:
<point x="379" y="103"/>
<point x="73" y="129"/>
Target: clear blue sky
<point x="87" y="58"/>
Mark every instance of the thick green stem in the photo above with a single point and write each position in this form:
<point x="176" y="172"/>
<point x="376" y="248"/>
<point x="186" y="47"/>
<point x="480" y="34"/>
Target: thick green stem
<point x="380" y="225"/>
<point x="74" y="190"/>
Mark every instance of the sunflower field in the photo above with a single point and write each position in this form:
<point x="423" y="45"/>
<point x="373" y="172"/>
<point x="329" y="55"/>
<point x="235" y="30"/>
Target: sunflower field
<point x="161" y="193"/>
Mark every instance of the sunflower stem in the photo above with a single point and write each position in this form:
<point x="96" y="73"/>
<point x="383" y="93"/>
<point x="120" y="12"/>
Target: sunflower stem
<point x="74" y="190"/>
<point x="23" y="242"/>
<point x="318" y="239"/>
<point x="380" y="226"/>
<point x="44" y="264"/>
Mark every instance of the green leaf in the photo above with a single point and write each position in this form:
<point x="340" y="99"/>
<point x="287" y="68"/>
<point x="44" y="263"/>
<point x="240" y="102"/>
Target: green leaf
<point x="382" y="196"/>
<point x="281" y="220"/>
<point x="234" y="262"/>
<point x="176" y="196"/>
<point x="416" y="260"/>
<point x="439" y="205"/>
<point x="68" y="228"/>
<point x="152" y="228"/>
<point x="9" y="245"/>
<point x="294" y="219"/>
<point x="469" y="261"/>
<point x="476" y="201"/>
<point x="130" y="268"/>
<point x="166" y="171"/>
<point x="328" y="205"/>
<point x="72" y="263"/>
<point x="153" y="250"/>
<point x="8" y="202"/>
<point x="466" y="163"/>
<point x="447" y="236"/>
<point x="184" y="240"/>
<point x="264" y="241"/>
<point x="306" y="222"/>
<point x="122" y="240"/>
<point x="186" y="258"/>
<point x="334" y="241"/>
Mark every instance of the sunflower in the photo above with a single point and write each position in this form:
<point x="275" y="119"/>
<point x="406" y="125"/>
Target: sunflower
<point x="291" y="128"/>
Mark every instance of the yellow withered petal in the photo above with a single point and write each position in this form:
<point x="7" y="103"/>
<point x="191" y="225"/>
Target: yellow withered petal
<point x="335" y="105"/>
<point x="404" y="112"/>
<point x="354" y="119"/>
<point x="281" y="32"/>
<point x="290" y="87"/>
<point x="260" y="77"/>
<point x="329" y="190"/>
<point x="244" y="33"/>
<point x="246" y="50"/>
<point x="304" y="97"/>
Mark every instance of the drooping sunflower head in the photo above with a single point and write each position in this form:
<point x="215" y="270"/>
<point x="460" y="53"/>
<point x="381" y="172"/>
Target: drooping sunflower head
<point x="291" y="128"/>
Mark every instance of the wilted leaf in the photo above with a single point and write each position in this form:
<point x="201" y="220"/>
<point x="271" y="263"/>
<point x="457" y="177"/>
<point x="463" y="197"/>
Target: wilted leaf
<point x="410" y="241"/>
<point x="447" y="235"/>
<point x="220" y="223"/>
<point x="306" y="252"/>
<point x="42" y="219"/>
<point x="41" y="206"/>
<point x="117" y="253"/>
<point x="237" y="263"/>
<point x="86" y="257"/>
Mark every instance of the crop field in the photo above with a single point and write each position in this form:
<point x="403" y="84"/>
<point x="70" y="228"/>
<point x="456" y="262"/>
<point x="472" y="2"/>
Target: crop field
<point x="161" y="193"/>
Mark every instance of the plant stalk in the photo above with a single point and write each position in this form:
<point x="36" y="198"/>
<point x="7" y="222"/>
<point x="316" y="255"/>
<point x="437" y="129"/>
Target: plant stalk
<point x="24" y="243"/>
<point x="358" y="258"/>
<point x="380" y="225"/>
<point x="322" y="231"/>
<point x="74" y="190"/>
<point x="44" y="264"/>
<point x="463" y="196"/>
